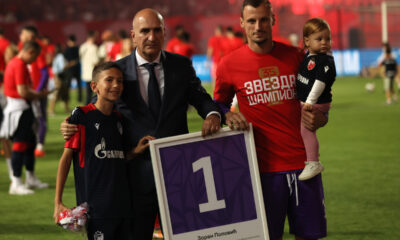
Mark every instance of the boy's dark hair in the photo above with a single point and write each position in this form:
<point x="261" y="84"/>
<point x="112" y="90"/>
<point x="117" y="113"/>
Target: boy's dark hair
<point x="72" y="38"/>
<point x="102" y="67"/>
<point x="31" y="29"/>
<point x="31" y="45"/>
<point x="254" y="3"/>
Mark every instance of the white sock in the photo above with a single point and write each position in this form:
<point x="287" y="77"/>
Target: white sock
<point x="39" y="147"/>
<point x="29" y="175"/>
<point x="16" y="180"/>
<point x="9" y="166"/>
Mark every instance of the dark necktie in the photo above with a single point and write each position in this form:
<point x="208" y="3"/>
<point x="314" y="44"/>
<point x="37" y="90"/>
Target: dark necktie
<point x="153" y="91"/>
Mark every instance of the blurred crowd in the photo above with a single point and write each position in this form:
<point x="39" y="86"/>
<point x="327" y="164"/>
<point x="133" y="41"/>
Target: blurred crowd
<point x="63" y="66"/>
<point x="88" y="10"/>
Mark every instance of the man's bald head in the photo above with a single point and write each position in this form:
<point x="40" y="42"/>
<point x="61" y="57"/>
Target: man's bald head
<point x="148" y="33"/>
<point x="147" y="13"/>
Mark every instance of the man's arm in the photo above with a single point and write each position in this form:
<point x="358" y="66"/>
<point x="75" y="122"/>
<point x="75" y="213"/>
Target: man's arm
<point x="28" y="93"/>
<point x="206" y="107"/>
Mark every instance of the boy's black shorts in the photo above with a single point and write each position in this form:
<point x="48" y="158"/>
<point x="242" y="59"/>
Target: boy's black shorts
<point x="108" y="229"/>
<point x="24" y="132"/>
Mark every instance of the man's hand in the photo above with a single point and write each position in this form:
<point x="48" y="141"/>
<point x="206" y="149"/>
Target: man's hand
<point x="307" y="106"/>
<point x="211" y="125"/>
<point x="236" y="121"/>
<point x="68" y="130"/>
<point x="43" y="93"/>
<point x="313" y="119"/>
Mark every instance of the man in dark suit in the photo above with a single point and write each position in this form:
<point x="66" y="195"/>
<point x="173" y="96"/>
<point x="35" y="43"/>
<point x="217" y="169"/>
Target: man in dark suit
<point x="178" y="87"/>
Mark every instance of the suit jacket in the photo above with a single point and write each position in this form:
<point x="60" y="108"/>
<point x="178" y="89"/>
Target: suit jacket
<point x="182" y="87"/>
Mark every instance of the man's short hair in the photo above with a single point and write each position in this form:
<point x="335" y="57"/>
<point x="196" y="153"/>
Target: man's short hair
<point x="179" y="27"/>
<point x="122" y="34"/>
<point x="31" y="45"/>
<point x="102" y="67"/>
<point x="32" y="29"/>
<point x="91" y="33"/>
<point x="254" y="3"/>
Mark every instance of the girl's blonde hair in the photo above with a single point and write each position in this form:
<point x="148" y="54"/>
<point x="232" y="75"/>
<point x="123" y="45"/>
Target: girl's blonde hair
<point x="314" y="25"/>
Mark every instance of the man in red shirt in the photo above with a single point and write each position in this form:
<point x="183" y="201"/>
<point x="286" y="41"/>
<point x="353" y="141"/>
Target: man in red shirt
<point x="30" y="33"/>
<point x="39" y="71"/>
<point x="231" y="42"/>
<point x="3" y="46"/>
<point x="214" y="51"/>
<point x="19" y="118"/>
<point x="262" y="74"/>
<point x="184" y="47"/>
<point x="176" y="40"/>
<point x="117" y="46"/>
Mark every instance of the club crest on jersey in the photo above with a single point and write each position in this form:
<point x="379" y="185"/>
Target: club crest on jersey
<point x="311" y="64"/>
<point x="266" y="72"/>
<point x="74" y="110"/>
<point x="97" y="126"/>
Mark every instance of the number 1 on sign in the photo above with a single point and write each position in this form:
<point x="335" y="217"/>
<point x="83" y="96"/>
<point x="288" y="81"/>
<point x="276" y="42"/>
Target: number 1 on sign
<point x="212" y="204"/>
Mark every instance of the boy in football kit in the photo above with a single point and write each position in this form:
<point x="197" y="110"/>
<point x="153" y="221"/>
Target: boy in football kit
<point x="314" y="82"/>
<point x="390" y="65"/>
<point x="99" y="150"/>
<point x="19" y="119"/>
<point x="262" y="74"/>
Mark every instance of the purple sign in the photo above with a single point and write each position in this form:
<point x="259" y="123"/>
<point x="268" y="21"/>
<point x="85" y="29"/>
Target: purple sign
<point x="208" y="183"/>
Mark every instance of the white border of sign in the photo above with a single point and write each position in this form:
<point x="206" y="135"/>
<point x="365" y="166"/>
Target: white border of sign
<point x="255" y="229"/>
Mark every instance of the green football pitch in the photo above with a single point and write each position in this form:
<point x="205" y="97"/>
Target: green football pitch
<point x="359" y="147"/>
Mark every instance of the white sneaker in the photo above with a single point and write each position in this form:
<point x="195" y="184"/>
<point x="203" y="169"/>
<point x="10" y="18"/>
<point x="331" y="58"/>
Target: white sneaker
<point x="312" y="169"/>
<point x="33" y="182"/>
<point x="19" y="189"/>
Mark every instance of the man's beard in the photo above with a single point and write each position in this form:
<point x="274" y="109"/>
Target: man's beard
<point x="260" y="42"/>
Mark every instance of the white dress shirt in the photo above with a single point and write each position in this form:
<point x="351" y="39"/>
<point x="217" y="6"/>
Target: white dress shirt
<point x="144" y="76"/>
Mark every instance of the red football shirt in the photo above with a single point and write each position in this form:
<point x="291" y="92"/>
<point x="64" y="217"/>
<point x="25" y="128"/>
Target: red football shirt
<point x="41" y="59"/>
<point x="172" y="44"/>
<point x="16" y="73"/>
<point x="115" y="50"/>
<point x="230" y="44"/>
<point x="265" y="88"/>
<point x="215" y="43"/>
<point x="185" y="49"/>
<point x="3" y="46"/>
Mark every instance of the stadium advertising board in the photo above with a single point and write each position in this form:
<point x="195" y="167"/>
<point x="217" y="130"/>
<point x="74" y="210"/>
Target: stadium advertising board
<point x="209" y="188"/>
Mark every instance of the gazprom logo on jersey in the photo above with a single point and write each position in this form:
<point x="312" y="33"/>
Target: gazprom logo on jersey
<point x="101" y="152"/>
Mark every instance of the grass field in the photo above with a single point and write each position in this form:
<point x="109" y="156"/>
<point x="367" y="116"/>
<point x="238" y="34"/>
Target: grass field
<point x="360" y="149"/>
